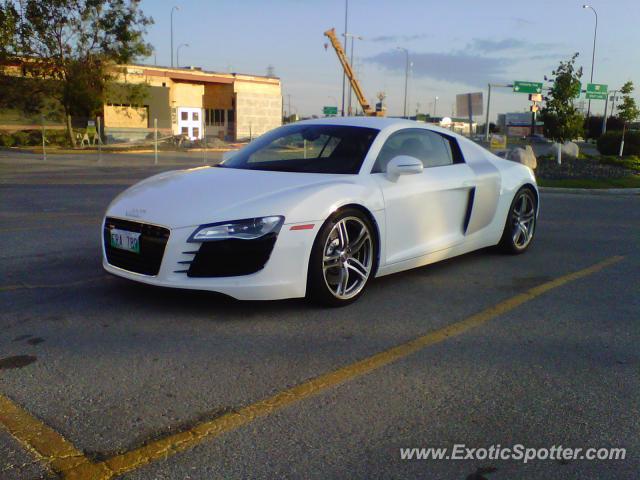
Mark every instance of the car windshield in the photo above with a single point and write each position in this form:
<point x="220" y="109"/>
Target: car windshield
<point x="307" y="148"/>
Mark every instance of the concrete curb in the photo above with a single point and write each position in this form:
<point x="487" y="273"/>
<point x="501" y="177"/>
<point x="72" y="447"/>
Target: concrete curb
<point x="592" y="191"/>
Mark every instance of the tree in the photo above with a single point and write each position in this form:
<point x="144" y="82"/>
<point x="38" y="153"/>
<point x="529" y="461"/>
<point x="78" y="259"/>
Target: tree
<point x="73" y="46"/>
<point x="628" y="110"/>
<point x="614" y="123"/>
<point x="562" y="121"/>
<point x="593" y="126"/>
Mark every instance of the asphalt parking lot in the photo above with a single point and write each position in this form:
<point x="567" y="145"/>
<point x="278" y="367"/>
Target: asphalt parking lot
<point x="103" y="378"/>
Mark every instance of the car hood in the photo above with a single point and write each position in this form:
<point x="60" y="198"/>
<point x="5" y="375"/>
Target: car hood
<point x="192" y="197"/>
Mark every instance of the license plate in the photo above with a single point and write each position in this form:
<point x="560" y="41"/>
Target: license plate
<point x="125" y="240"/>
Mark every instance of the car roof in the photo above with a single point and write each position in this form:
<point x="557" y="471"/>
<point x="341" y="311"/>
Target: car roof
<point x="380" y="123"/>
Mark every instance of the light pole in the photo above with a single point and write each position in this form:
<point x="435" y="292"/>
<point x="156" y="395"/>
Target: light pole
<point x="172" y="10"/>
<point x="344" y="74"/>
<point x="353" y="39"/>
<point x="593" y="54"/>
<point x="435" y="107"/>
<point x="178" y="53"/>
<point x="406" y="78"/>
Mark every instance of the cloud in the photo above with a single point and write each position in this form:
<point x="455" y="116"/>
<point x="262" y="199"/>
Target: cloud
<point x="399" y="38"/>
<point x="488" y="45"/>
<point x="521" y="22"/>
<point x="450" y="67"/>
<point x="550" y="56"/>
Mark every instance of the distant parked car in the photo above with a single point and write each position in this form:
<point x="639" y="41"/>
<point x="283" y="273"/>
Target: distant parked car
<point x="538" y="138"/>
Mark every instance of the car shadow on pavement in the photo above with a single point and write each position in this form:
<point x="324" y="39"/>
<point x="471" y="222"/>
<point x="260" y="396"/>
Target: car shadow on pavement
<point x="195" y="301"/>
<point x="166" y="300"/>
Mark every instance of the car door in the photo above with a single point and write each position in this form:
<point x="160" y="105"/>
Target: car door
<point x="424" y="212"/>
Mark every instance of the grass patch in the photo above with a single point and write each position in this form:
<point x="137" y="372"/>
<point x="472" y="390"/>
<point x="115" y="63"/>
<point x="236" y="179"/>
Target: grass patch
<point x="622" y="182"/>
<point x="632" y="162"/>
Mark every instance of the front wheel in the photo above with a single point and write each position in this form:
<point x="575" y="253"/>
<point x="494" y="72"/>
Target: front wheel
<point x="343" y="259"/>
<point x="521" y="222"/>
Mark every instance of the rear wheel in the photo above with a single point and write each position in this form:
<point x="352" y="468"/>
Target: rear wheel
<point x="343" y="259"/>
<point x="521" y="222"/>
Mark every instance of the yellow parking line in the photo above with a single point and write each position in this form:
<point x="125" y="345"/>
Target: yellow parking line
<point x="46" y="444"/>
<point x="184" y="440"/>
<point x="66" y="460"/>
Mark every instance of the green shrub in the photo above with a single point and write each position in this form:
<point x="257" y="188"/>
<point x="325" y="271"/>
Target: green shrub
<point x="21" y="138"/>
<point x="57" y="137"/>
<point x="609" y="143"/>
<point x="6" y="140"/>
<point x="33" y="138"/>
<point x="632" y="162"/>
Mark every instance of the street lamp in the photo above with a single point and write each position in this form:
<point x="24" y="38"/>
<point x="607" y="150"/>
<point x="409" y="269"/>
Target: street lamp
<point x="178" y="53"/>
<point x="172" y="10"/>
<point x="406" y="78"/>
<point x="353" y="39"/>
<point x="435" y="107"/>
<point x="593" y="54"/>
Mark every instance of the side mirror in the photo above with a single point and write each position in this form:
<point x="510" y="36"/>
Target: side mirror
<point x="403" y="165"/>
<point x="227" y="155"/>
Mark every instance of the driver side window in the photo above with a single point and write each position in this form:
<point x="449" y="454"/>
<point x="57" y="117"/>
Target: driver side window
<point x="431" y="148"/>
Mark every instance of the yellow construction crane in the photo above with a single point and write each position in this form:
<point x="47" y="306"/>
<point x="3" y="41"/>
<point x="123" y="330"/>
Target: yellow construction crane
<point x="355" y="85"/>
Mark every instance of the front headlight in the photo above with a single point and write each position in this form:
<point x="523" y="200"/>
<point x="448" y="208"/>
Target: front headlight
<point x="246" y="229"/>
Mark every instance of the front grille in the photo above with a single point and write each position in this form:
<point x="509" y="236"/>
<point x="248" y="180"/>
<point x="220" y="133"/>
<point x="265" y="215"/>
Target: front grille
<point x="153" y="240"/>
<point x="233" y="257"/>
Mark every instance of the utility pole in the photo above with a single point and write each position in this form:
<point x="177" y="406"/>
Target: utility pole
<point x="613" y="106"/>
<point x="435" y="107"/>
<point x="344" y="74"/>
<point x="44" y="139"/>
<point x="604" y="116"/>
<point x="593" y="53"/>
<point x="486" y="122"/>
<point x="172" y="10"/>
<point x="353" y="39"/>
<point x="406" y="78"/>
<point x="178" y="53"/>
<point x="614" y="97"/>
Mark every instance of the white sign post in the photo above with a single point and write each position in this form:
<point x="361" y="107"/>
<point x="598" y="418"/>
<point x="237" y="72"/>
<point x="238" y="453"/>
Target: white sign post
<point x="155" y="140"/>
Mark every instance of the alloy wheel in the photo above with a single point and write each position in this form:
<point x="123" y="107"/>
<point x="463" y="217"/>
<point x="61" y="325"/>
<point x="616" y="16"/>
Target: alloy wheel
<point x="347" y="257"/>
<point x="523" y="219"/>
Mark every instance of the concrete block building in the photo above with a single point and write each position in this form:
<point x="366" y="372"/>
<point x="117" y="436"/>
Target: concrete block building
<point x="195" y="103"/>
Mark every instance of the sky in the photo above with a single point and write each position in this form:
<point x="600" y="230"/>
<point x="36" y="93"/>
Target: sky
<point x="455" y="46"/>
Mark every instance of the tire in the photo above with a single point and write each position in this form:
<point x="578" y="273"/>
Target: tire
<point x="343" y="259"/>
<point x="520" y="226"/>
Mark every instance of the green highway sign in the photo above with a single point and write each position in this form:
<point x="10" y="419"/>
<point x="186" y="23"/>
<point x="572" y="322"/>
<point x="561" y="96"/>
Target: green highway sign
<point x="596" y="96"/>
<point x="330" y="110"/>
<point x="597" y="87"/>
<point x="527" y="87"/>
<point x="596" y="91"/>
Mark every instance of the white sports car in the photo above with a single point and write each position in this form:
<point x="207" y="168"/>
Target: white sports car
<point x="318" y="208"/>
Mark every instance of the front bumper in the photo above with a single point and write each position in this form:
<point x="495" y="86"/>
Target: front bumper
<point x="283" y="276"/>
